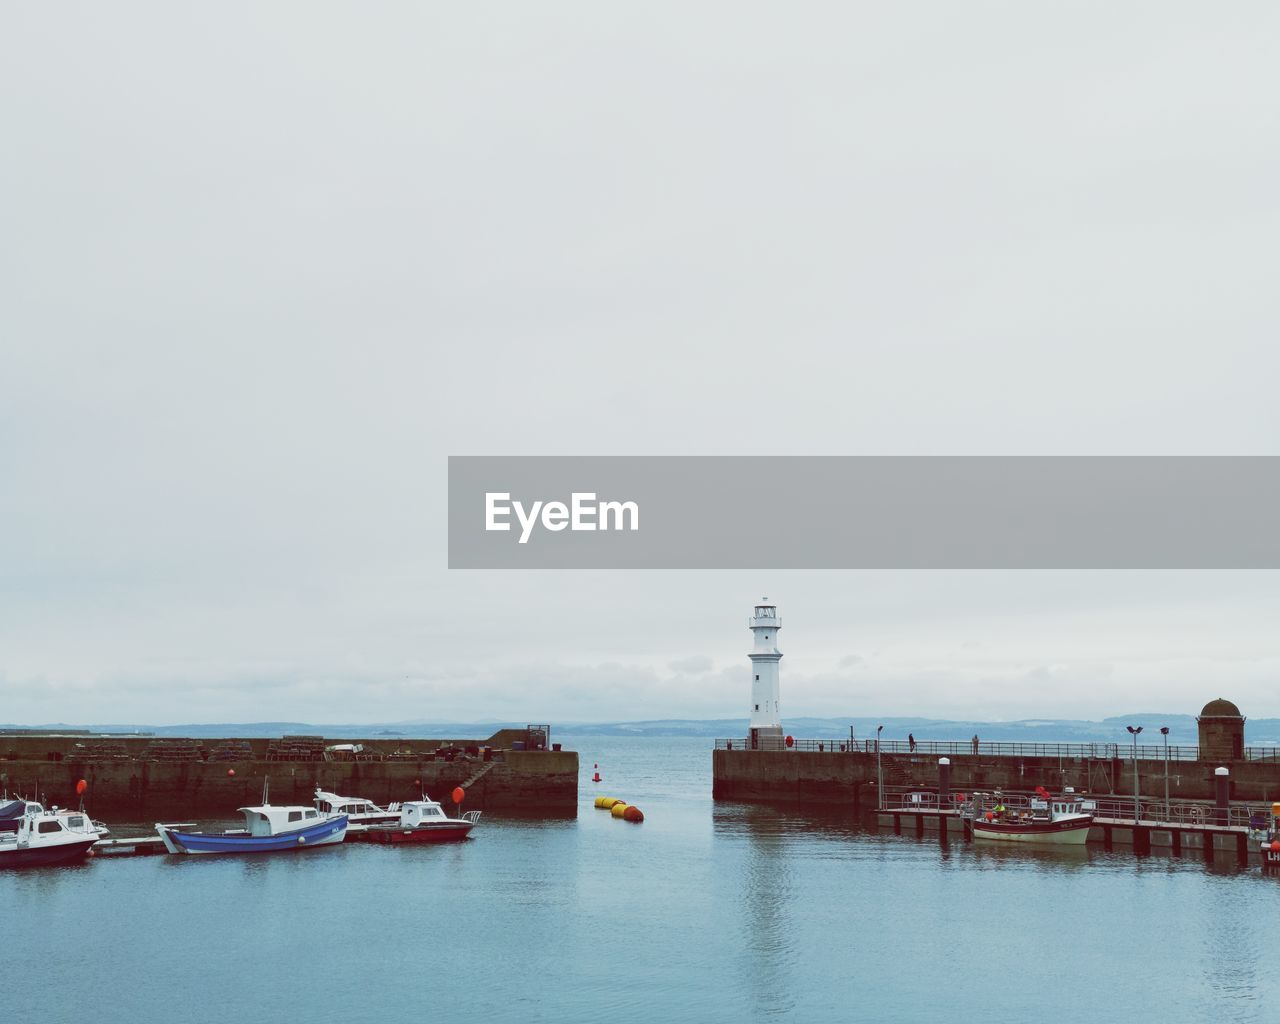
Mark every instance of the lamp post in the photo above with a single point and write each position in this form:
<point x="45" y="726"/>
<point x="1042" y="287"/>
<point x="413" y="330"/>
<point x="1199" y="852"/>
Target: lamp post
<point x="1164" y="732"/>
<point x="879" y="776"/>
<point x="1133" y="731"/>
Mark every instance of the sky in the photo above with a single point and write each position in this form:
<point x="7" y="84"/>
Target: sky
<point x="266" y="266"/>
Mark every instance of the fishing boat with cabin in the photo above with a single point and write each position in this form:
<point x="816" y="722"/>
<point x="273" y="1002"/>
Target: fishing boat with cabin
<point x="268" y="829"/>
<point x="31" y="836"/>
<point x="1046" y="819"/>
<point x="424" y="821"/>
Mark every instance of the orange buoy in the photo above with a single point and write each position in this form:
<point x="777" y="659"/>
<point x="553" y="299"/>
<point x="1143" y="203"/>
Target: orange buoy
<point x="459" y="794"/>
<point x="1275" y="846"/>
<point x="633" y="814"/>
<point x="81" y="786"/>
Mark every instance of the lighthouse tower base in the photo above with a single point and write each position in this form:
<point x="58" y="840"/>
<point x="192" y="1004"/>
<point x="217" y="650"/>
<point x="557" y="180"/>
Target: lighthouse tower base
<point x="768" y="737"/>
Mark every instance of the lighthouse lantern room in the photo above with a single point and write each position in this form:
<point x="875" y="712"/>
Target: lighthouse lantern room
<point x="766" y="723"/>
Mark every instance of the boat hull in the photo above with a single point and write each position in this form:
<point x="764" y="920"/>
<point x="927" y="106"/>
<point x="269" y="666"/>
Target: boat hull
<point x="451" y="833"/>
<point x="45" y="856"/>
<point x="324" y="833"/>
<point x="1052" y="833"/>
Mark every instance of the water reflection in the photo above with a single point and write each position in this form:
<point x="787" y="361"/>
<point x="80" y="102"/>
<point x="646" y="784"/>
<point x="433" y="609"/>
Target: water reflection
<point x="766" y="899"/>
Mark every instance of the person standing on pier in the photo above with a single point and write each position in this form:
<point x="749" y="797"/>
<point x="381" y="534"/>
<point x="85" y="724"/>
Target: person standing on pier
<point x="974" y="741"/>
<point x="911" y="742"/>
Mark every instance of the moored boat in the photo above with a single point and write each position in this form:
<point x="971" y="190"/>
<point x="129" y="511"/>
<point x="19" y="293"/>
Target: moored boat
<point x="1270" y="848"/>
<point x="1049" y="820"/>
<point x="31" y="836"/>
<point x="360" y="812"/>
<point x="268" y="829"/>
<point x="423" y="821"/>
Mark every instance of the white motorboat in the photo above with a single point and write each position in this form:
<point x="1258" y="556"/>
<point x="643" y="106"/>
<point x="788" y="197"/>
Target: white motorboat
<point x="31" y="836"/>
<point x="361" y="813"/>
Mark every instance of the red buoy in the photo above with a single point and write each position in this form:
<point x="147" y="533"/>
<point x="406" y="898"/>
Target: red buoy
<point x="791" y="741"/>
<point x="81" y="786"/>
<point x="459" y="794"/>
<point x="230" y="772"/>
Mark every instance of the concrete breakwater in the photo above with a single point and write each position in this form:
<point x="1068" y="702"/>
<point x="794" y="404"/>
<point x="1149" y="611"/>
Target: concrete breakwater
<point x="142" y="778"/>
<point x="765" y="767"/>
<point x="849" y="776"/>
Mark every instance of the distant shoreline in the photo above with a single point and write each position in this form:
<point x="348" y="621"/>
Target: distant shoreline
<point x="1182" y="729"/>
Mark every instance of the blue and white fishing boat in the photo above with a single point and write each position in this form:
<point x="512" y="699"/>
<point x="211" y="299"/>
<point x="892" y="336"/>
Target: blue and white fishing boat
<point x="267" y="829"/>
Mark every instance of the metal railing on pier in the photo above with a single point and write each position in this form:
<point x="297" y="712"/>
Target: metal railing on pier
<point x="967" y="748"/>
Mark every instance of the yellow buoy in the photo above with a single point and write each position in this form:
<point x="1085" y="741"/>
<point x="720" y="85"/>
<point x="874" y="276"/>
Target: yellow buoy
<point x="618" y="809"/>
<point x="608" y="801"/>
<point x="601" y="801"/>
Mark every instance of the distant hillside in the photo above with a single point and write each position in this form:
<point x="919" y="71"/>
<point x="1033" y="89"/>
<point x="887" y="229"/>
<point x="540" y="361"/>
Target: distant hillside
<point x="1182" y="729"/>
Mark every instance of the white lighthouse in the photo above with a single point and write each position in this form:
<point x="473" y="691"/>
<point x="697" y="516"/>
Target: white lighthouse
<point x="766" y="723"/>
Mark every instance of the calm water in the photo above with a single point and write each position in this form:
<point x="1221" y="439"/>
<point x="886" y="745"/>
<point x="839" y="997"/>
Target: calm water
<point x="703" y="913"/>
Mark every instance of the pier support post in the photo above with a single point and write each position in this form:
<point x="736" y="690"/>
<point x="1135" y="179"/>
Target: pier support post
<point x="944" y="783"/>
<point x="1222" y="794"/>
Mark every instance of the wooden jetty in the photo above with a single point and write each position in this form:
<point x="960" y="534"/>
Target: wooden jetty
<point x="1143" y="836"/>
<point x="129" y="845"/>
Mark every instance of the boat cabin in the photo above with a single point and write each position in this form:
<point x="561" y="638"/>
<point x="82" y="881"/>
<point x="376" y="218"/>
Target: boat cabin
<point x="421" y="812"/>
<point x="271" y="821"/>
<point x="353" y="807"/>
<point x="346" y="807"/>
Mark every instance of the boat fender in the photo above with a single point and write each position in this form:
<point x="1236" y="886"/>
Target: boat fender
<point x="301" y="840"/>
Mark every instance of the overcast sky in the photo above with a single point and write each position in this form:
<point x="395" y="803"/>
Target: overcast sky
<point x="263" y="267"/>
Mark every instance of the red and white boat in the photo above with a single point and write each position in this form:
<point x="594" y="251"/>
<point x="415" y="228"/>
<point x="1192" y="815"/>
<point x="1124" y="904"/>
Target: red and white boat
<point x="423" y="821"/>
<point x="1050" y="820"/>
<point x="1270" y="848"/>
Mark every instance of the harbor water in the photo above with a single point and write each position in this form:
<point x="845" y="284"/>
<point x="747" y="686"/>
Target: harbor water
<point x="705" y="912"/>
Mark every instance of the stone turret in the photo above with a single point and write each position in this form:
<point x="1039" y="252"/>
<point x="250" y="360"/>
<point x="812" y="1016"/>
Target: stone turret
<point x="1221" y="731"/>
